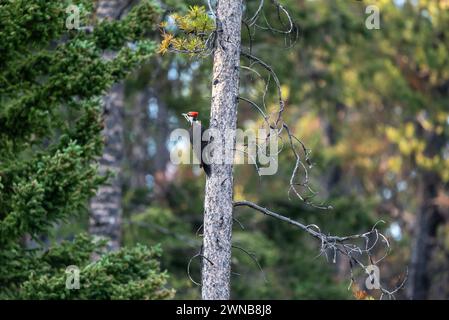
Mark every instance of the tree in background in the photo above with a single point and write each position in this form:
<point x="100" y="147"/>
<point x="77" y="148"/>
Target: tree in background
<point x="202" y="39"/>
<point x="173" y="220"/>
<point x="338" y="77"/>
<point x="50" y="135"/>
<point x="392" y="132"/>
<point x="106" y="206"/>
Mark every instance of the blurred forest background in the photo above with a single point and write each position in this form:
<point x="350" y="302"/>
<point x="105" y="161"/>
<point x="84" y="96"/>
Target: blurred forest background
<point x="372" y="105"/>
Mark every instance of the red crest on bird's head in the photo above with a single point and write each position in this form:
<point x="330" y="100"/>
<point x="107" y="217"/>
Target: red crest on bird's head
<point x="193" y="114"/>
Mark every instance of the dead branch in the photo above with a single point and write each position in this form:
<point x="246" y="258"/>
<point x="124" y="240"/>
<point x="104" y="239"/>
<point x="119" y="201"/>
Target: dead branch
<point x="343" y="245"/>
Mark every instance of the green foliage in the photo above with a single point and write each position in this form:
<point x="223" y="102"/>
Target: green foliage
<point x="332" y="64"/>
<point x="127" y="274"/>
<point x="193" y="28"/>
<point x="131" y="273"/>
<point x="51" y="80"/>
<point x="351" y="100"/>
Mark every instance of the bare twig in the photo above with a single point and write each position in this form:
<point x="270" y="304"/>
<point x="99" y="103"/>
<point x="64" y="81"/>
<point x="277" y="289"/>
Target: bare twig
<point x="253" y="257"/>
<point x="343" y="245"/>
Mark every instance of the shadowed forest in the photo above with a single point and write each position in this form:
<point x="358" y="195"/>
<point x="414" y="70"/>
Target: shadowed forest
<point x="91" y="92"/>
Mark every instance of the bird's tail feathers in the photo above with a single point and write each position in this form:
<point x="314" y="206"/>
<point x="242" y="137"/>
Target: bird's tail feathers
<point x="207" y="169"/>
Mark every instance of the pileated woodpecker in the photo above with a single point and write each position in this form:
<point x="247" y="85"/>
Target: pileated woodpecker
<point x="195" y="124"/>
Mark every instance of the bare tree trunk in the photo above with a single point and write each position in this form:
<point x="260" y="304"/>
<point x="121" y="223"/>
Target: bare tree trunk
<point x="111" y="9"/>
<point x="218" y="207"/>
<point x="139" y="124"/>
<point x="426" y="226"/>
<point x="334" y="175"/>
<point x="335" y="172"/>
<point x="163" y="156"/>
<point x="106" y="207"/>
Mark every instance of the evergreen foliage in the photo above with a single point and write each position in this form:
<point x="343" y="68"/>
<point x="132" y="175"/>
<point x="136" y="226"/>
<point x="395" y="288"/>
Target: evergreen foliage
<point x="193" y="31"/>
<point x="51" y="80"/>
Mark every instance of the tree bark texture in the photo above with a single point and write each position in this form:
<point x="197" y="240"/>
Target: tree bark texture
<point x="216" y="263"/>
<point x="106" y="207"/>
<point x="162" y="132"/>
<point x="138" y="126"/>
<point x="426" y="226"/>
<point x="110" y="9"/>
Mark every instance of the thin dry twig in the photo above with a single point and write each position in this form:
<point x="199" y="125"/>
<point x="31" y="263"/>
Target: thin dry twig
<point x="343" y="245"/>
<point x="253" y="257"/>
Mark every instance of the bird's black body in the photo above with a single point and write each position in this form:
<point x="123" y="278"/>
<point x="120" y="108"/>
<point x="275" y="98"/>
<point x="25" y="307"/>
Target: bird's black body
<point x="205" y="166"/>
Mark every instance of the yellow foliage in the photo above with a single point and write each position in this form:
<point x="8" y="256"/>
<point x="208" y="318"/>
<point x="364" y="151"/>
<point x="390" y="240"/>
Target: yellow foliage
<point x="350" y="76"/>
<point x="365" y="162"/>
<point x="409" y="130"/>
<point x="405" y="147"/>
<point x="165" y="43"/>
<point x="395" y="164"/>
<point x="308" y="126"/>
<point x="392" y="134"/>
<point x="429" y="163"/>
<point x="445" y="175"/>
<point x="238" y="192"/>
<point x="442" y="116"/>
<point x="285" y="90"/>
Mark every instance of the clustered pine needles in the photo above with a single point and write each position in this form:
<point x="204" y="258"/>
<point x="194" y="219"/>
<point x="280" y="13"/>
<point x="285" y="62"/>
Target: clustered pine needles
<point x="192" y="32"/>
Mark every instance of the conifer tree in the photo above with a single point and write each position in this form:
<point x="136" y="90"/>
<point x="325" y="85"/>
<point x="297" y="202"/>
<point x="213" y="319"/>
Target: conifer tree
<point x="52" y="76"/>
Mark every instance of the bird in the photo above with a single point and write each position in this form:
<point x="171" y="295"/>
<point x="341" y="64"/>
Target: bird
<point x="192" y="118"/>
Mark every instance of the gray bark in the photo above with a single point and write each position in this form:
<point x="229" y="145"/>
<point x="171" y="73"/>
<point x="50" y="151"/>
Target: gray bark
<point x="218" y="207"/>
<point x="138" y="126"/>
<point x="425" y="227"/>
<point x="335" y="173"/>
<point x="163" y="156"/>
<point x="105" y="218"/>
<point x="106" y="207"/>
<point x="110" y="9"/>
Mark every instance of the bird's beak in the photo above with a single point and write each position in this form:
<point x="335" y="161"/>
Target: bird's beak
<point x="186" y="116"/>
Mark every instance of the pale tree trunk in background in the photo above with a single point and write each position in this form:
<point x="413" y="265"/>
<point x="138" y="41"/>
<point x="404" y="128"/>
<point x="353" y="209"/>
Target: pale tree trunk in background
<point x="426" y="225"/>
<point x="106" y="207"/>
<point x="334" y="176"/>
<point x="335" y="173"/>
<point x="139" y="125"/>
<point x="216" y="264"/>
<point x="139" y="164"/>
<point x="425" y="229"/>
<point x="162" y="155"/>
